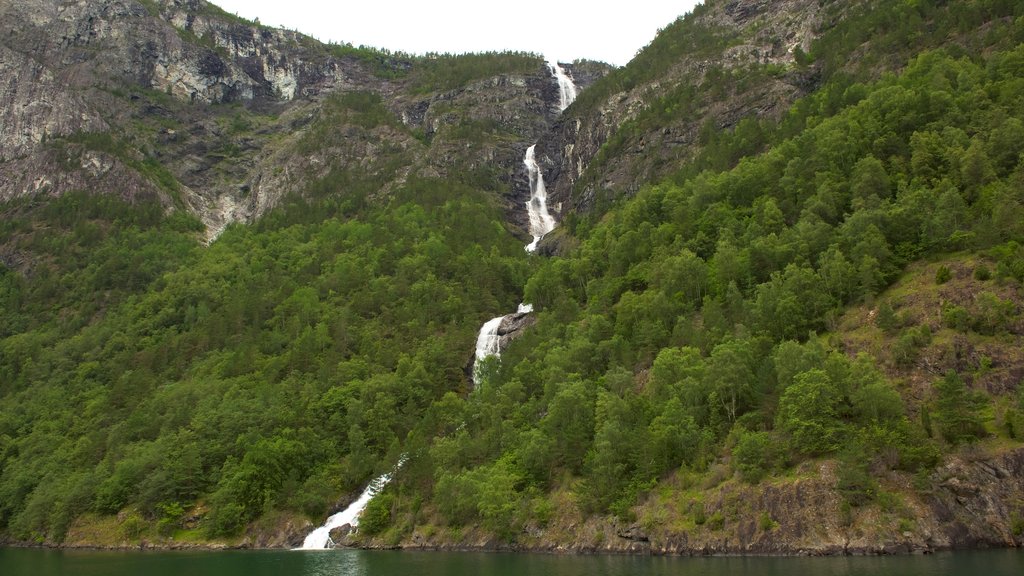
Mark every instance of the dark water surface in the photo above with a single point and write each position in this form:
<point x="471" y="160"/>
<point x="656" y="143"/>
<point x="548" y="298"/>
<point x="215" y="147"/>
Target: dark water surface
<point x="18" y="562"/>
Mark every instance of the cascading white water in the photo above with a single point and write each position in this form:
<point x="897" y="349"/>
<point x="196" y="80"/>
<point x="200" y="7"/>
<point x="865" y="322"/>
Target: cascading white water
<point x="566" y="87"/>
<point x="320" y="538"/>
<point x="541" y="221"/>
<point x="488" y="342"/>
<point x="487" y="345"/>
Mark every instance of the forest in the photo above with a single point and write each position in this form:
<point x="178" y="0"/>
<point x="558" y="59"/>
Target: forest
<point x="696" y="333"/>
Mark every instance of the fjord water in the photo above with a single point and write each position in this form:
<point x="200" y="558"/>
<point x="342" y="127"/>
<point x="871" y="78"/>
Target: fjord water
<point x="38" y="562"/>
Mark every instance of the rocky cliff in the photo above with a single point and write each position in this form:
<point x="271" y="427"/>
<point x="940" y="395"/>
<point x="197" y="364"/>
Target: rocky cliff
<point x="972" y="501"/>
<point x="640" y="125"/>
<point x="207" y="112"/>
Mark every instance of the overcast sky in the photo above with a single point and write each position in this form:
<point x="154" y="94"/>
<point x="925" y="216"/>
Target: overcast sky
<point x="564" y="30"/>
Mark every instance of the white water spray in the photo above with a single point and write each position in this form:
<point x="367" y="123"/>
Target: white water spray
<point x="566" y="88"/>
<point x="541" y="221"/>
<point x="488" y="342"/>
<point x="320" y="538"/>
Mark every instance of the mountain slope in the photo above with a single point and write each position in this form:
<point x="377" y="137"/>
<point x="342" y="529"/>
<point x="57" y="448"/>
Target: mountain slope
<point x="798" y="330"/>
<point x="207" y="112"/>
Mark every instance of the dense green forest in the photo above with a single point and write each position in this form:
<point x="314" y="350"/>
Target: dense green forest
<point x="272" y="370"/>
<point x="693" y="331"/>
<point x="694" y="319"/>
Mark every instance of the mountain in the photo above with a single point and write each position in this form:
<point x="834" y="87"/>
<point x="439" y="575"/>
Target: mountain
<point x="243" y="273"/>
<point x="206" y="112"/>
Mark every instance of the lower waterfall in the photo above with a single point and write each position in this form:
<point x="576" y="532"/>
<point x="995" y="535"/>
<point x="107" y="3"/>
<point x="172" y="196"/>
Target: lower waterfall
<point x="320" y="538"/>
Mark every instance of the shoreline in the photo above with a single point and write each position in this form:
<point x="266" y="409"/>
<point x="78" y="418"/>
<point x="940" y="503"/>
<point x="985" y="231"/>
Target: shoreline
<point x="880" y="549"/>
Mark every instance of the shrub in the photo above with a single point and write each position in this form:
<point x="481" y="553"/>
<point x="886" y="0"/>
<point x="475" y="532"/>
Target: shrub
<point x="1017" y="525"/>
<point x="907" y="347"/>
<point x="886" y="318"/>
<point x="957" y="411"/>
<point x="956" y="317"/>
<point x="376" y="517"/>
<point x="699" y="516"/>
<point x="716" y="521"/>
<point x="133" y="526"/>
<point x="170" y="517"/>
<point x="982" y="273"/>
<point x="754" y="455"/>
<point x="225" y="520"/>
<point x="855" y="484"/>
<point x="943" y="275"/>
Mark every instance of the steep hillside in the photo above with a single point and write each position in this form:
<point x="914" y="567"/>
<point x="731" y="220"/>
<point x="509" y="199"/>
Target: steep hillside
<point x="783" y="313"/>
<point x="177" y="101"/>
<point x="718" y="85"/>
<point x="690" y="379"/>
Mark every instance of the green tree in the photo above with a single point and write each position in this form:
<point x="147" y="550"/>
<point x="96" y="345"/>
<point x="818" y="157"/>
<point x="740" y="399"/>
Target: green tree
<point x="808" y="413"/>
<point x="754" y="455"/>
<point x="957" y="409"/>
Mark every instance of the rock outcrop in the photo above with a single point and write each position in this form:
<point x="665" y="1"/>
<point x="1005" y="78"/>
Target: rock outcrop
<point x="207" y="112"/>
<point x="605" y="148"/>
<point x="971" y="503"/>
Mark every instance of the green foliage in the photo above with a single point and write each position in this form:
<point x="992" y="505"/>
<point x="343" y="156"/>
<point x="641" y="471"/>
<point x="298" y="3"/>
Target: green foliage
<point x="956" y="317"/>
<point x="133" y="526"/>
<point x="155" y="371"/>
<point x="755" y="455"/>
<point x="1017" y="524"/>
<point x="957" y="409"/>
<point x="857" y="487"/>
<point x="376" y="517"/>
<point x="288" y="361"/>
<point x="716" y="521"/>
<point x="766" y="523"/>
<point x="908" y="346"/>
<point x="442" y="72"/>
<point x="808" y="413"/>
<point x="171" y="514"/>
<point x="942" y="275"/>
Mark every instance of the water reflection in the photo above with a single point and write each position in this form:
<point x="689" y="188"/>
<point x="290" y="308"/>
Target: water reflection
<point x="332" y="563"/>
<point x="362" y="563"/>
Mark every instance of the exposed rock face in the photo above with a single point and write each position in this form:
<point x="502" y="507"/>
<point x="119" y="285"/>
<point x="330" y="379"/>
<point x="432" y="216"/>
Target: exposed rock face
<point x="34" y="105"/>
<point x="972" y="503"/>
<point x="760" y="33"/>
<point x="341" y="533"/>
<point x="223" y="105"/>
<point x="67" y="63"/>
<point x="288" y="533"/>
<point x="514" y="326"/>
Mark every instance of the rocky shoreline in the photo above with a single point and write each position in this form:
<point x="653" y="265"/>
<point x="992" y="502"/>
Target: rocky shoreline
<point x="972" y="501"/>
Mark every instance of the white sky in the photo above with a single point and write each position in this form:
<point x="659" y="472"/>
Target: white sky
<point x="600" y="30"/>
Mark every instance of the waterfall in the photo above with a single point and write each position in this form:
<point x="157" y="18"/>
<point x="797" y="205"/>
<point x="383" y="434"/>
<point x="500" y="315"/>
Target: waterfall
<point x="487" y="345"/>
<point x="488" y="342"/>
<point x="541" y="221"/>
<point x="320" y="538"/>
<point x="566" y="87"/>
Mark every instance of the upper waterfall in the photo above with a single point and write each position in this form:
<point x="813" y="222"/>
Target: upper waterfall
<point x="566" y="87"/>
<point x="541" y="221"/>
